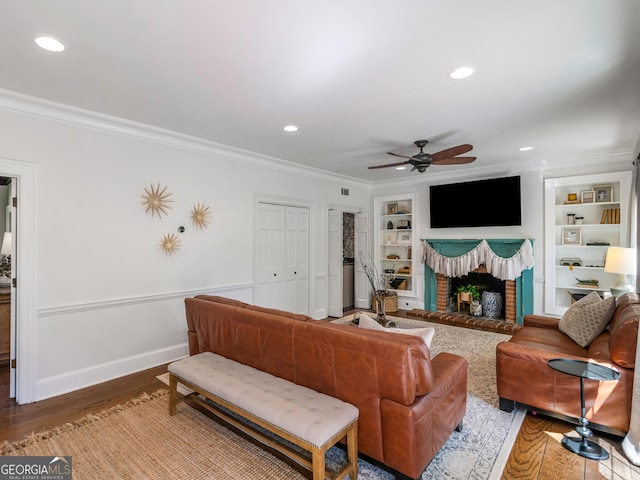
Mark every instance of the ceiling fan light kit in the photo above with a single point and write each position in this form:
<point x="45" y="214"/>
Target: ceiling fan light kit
<point x="421" y="161"/>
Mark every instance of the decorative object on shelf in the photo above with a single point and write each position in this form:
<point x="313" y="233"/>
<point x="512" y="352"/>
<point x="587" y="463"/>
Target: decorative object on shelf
<point x="598" y="244"/>
<point x="392" y="208"/>
<point x="571" y="218"/>
<point x="5" y="259"/>
<point x="571" y="262"/>
<point x="500" y="267"/>
<point x="404" y="270"/>
<point x="390" y="238"/>
<point x="200" y="216"/>
<point x="622" y="261"/>
<point x="389" y="225"/>
<point x="403" y="207"/>
<point x="587" y="283"/>
<point x="603" y="193"/>
<point x="393" y="256"/>
<point x="404" y="224"/>
<point x="587" y="196"/>
<point x="492" y="304"/>
<point x="579" y="220"/>
<point x="571" y="236"/>
<point x="156" y="200"/>
<point x="572" y="198"/>
<point x="170" y="243"/>
<point x="398" y="283"/>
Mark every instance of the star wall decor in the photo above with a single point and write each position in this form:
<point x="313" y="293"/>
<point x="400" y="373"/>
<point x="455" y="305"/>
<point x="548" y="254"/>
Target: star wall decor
<point x="200" y="216"/>
<point x="156" y="200"/>
<point x="170" y="243"/>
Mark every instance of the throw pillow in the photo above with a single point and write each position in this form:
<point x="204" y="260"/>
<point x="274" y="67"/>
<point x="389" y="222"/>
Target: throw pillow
<point x="426" y="332"/>
<point x="587" y="318"/>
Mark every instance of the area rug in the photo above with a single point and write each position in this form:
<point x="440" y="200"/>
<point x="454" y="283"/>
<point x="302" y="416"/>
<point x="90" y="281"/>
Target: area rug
<point x="140" y="440"/>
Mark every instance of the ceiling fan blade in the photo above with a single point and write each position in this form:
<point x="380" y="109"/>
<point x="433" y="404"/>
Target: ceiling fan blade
<point x="397" y="155"/>
<point x="454" y="161"/>
<point x="452" y="152"/>
<point x="389" y="165"/>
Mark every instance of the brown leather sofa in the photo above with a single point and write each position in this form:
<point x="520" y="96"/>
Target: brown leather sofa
<point x="524" y="378"/>
<point x="409" y="403"/>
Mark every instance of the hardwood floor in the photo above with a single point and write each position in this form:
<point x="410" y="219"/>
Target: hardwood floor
<point x="537" y="453"/>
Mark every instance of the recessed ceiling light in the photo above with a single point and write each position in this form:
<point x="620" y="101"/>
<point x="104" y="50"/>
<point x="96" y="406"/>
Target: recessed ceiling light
<point x="290" y="128"/>
<point x="462" y="72"/>
<point x="525" y="149"/>
<point x="49" y="43"/>
<point x="401" y="168"/>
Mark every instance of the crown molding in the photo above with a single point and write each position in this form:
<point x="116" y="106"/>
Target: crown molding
<point x="40" y="108"/>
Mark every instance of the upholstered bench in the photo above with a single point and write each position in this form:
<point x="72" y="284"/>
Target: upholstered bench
<point x="311" y="420"/>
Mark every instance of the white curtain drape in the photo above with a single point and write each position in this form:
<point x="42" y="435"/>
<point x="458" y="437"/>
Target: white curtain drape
<point x="631" y="443"/>
<point x="500" y="267"/>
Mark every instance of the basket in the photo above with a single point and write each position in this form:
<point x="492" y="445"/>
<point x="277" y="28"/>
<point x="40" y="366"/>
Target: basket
<point x="390" y="302"/>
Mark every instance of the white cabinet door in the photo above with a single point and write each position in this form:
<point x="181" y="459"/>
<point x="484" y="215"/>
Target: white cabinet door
<point x="282" y="258"/>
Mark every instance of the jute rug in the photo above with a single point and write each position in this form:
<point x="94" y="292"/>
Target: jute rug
<point x="140" y="440"/>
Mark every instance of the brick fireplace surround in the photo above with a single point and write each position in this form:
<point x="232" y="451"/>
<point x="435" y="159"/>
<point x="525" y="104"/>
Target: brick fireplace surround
<point x="518" y="293"/>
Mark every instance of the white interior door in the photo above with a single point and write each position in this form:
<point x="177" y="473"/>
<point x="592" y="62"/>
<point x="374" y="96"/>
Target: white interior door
<point x="362" y="291"/>
<point x="335" y="263"/>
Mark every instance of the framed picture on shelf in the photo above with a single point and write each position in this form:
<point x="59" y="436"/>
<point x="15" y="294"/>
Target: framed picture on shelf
<point x="404" y="237"/>
<point x="392" y="208"/>
<point x="588" y="196"/>
<point x="603" y="193"/>
<point x="571" y="236"/>
<point x="403" y="207"/>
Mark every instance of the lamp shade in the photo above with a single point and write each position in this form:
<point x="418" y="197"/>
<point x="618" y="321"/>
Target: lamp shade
<point x="6" y="244"/>
<point x="621" y="260"/>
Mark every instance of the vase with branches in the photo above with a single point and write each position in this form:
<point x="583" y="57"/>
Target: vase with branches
<point x="378" y="283"/>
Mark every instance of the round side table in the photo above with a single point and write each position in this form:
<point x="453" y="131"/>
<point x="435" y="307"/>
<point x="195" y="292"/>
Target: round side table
<point x="591" y="371"/>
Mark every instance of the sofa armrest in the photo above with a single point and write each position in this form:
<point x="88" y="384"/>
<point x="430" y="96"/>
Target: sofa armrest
<point x="541" y="321"/>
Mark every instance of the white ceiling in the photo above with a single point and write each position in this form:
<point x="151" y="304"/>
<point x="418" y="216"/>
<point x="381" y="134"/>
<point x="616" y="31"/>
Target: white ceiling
<point x="359" y="77"/>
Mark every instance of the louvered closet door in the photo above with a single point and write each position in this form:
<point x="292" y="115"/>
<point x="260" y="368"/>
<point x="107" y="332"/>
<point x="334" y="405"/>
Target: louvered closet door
<point x="282" y="258"/>
<point x="270" y="256"/>
<point x="297" y="259"/>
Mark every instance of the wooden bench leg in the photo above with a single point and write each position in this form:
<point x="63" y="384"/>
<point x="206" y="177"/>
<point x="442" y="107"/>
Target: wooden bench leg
<point x="352" y="450"/>
<point x="173" y="390"/>
<point x="318" y="464"/>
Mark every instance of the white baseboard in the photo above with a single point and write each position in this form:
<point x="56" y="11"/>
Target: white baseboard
<point x="74" y="380"/>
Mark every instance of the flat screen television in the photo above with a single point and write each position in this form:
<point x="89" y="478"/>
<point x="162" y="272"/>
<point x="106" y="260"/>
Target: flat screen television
<point x="481" y="203"/>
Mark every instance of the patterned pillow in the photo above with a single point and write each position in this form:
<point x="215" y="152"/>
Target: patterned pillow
<point x="587" y="318"/>
<point x="426" y="333"/>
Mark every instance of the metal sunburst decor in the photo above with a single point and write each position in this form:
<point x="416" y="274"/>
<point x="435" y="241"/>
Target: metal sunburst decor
<point x="200" y="216"/>
<point x="156" y="200"/>
<point x="170" y="243"/>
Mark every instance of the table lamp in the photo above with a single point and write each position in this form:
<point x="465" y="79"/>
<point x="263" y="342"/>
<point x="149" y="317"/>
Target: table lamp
<point x="622" y="261"/>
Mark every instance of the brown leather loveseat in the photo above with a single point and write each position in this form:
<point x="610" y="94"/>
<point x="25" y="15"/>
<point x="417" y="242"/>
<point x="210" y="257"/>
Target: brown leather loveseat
<point x="523" y="376"/>
<point x="409" y="403"/>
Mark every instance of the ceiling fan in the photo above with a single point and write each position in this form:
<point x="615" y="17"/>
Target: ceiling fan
<point x="421" y="161"/>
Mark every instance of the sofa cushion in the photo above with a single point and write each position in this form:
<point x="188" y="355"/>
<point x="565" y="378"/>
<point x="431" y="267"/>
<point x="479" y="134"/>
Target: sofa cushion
<point x="425" y="333"/>
<point x="587" y="318"/>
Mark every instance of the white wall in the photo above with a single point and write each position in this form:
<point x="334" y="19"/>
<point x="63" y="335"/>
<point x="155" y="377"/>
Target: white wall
<point x="108" y="301"/>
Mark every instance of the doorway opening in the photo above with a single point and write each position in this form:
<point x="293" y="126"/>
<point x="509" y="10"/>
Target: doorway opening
<point x="7" y="309"/>
<point x="348" y="260"/>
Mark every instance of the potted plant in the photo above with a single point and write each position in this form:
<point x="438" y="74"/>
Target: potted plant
<point x="468" y="292"/>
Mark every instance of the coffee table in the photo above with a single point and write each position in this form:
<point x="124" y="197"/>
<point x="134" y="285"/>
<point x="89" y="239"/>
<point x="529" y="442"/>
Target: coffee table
<point x="591" y="371"/>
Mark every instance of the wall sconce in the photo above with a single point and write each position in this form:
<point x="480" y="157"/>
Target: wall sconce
<point x="622" y="261"/>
